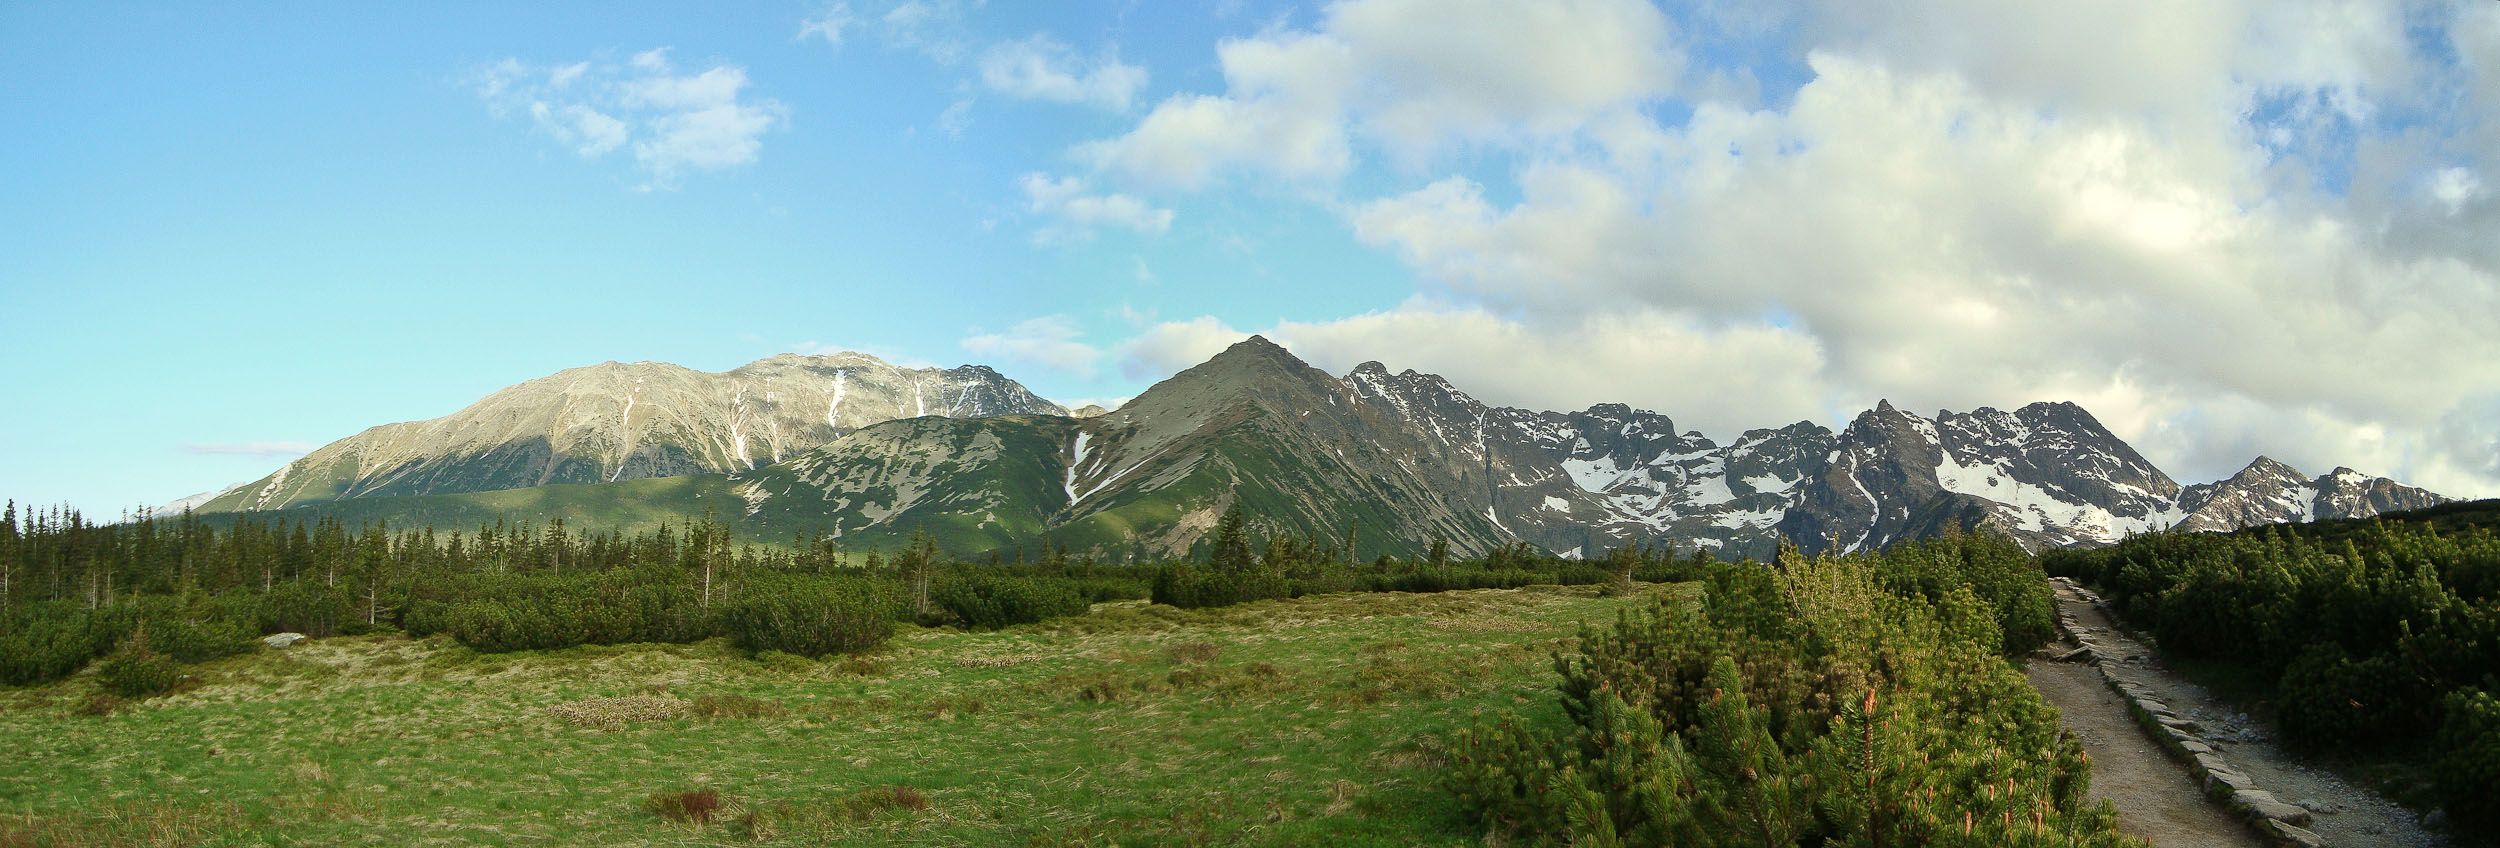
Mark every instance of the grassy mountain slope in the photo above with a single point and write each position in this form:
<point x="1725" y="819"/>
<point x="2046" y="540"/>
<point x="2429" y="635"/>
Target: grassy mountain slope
<point x="617" y="422"/>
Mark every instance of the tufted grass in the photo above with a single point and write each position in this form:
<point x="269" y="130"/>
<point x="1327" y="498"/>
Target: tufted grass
<point x="1276" y="723"/>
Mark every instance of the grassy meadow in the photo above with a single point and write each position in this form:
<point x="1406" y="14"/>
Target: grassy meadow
<point x="1273" y="723"/>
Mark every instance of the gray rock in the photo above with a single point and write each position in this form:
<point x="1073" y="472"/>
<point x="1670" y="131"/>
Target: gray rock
<point x="2323" y="808"/>
<point x="2194" y="748"/>
<point x="2286" y="834"/>
<point x="283" y="640"/>
<point x="2264" y="805"/>
<point x="2226" y="780"/>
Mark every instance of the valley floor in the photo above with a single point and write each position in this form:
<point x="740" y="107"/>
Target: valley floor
<point x="1291" y="722"/>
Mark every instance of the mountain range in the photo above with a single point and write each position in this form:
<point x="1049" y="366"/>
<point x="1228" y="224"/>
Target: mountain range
<point x="853" y="449"/>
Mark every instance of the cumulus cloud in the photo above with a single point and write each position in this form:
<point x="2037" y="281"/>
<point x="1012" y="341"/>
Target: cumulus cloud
<point x="1052" y="341"/>
<point x="672" y="123"/>
<point x="284" y="449"/>
<point x="2227" y="227"/>
<point x="1043" y="68"/>
<point x="1074" y="214"/>
<point x="1480" y="71"/>
<point x="1165" y="348"/>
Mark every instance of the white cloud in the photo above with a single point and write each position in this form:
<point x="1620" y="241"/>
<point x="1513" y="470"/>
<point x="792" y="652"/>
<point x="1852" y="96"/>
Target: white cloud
<point x="1043" y="68"/>
<point x="673" y="123"/>
<point x="1166" y="348"/>
<point x="1108" y="402"/>
<point x="829" y="25"/>
<point x="956" y="119"/>
<point x="1480" y="71"/>
<point x="932" y="28"/>
<point x="1051" y="341"/>
<point x="1075" y="214"/>
<point x="252" y="449"/>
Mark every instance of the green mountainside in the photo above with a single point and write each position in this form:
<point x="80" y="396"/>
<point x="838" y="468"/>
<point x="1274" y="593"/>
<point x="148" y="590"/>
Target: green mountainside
<point x="618" y="422"/>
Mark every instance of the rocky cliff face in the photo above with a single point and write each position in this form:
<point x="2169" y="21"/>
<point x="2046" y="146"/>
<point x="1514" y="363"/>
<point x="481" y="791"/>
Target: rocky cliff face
<point x="624" y="421"/>
<point x="2270" y="492"/>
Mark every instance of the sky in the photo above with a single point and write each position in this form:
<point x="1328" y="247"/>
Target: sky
<point x="232" y="232"/>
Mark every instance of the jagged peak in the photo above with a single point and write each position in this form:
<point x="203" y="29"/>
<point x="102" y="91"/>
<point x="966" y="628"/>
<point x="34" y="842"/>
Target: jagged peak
<point x="1373" y="368"/>
<point x="2267" y="466"/>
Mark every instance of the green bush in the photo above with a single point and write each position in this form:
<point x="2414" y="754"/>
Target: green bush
<point x="2469" y="762"/>
<point x="2326" y="694"/>
<point x="812" y="618"/>
<point x="1826" y="702"/>
<point x="136" y="671"/>
<point x="49" y="640"/>
<point x="989" y="602"/>
<point x="1190" y="585"/>
<point x="545" y="612"/>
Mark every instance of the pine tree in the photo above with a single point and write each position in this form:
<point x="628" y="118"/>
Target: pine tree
<point x="1231" y="551"/>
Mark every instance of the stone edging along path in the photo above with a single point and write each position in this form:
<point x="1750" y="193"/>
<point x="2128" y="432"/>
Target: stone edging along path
<point x="2278" y="821"/>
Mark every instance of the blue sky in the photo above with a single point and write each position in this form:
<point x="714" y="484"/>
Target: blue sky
<point x="233" y="231"/>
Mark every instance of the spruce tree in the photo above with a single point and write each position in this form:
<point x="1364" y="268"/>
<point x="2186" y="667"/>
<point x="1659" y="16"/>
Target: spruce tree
<point x="1231" y="551"/>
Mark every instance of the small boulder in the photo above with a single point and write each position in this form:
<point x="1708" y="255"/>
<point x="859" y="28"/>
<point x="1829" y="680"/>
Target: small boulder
<point x="2226" y="780"/>
<point x="2184" y="726"/>
<point x="2264" y="805"/>
<point x="2285" y="834"/>
<point x="283" y="640"/>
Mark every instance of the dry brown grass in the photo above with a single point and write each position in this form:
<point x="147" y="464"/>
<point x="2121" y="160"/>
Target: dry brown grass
<point x="617" y="713"/>
<point x="694" y="806"/>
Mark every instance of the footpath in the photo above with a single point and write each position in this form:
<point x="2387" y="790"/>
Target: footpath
<point x="2183" y="768"/>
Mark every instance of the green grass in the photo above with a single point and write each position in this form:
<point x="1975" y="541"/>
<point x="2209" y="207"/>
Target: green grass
<point x="1277" y="723"/>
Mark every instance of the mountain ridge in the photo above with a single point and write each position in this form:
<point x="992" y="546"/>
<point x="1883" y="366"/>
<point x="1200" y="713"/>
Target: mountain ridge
<point x="618" y="421"/>
<point x="1407" y="457"/>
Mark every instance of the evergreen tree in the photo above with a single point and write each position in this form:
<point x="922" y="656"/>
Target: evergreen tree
<point x="1230" y="552"/>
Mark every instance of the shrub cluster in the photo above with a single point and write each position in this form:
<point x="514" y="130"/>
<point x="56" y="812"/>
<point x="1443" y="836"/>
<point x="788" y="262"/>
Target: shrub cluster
<point x="1828" y="701"/>
<point x="49" y="640"/>
<point x="542" y="611"/>
<point x="812" y="617"/>
<point x="989" y="602"/>
<point x="137" y="671"/>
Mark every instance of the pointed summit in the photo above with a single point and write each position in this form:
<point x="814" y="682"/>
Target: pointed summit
<point x="1256" y="345"/>
<point x="2267" y="467"/>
